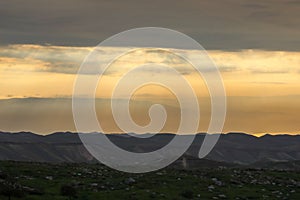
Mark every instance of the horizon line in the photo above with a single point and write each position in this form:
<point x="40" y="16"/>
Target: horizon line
<point x="257" y="135"/>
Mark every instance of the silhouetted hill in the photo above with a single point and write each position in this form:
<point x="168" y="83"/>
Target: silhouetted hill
<point x="232" y="148"/>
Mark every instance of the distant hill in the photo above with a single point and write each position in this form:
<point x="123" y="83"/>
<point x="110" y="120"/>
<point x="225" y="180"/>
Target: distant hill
<point x="231" y="149"/>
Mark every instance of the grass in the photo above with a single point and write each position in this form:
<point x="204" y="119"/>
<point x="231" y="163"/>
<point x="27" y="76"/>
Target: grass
<point x="95" y="181"/>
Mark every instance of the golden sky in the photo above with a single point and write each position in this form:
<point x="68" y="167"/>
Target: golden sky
<point x="36" y="85"/>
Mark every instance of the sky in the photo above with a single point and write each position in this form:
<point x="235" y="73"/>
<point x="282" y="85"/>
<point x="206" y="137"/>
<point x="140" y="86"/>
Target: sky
<point x="255" y="45"/>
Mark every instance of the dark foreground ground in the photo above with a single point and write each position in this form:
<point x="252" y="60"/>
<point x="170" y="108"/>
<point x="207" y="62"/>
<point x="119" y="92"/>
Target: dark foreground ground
<point x="19" y="180"/>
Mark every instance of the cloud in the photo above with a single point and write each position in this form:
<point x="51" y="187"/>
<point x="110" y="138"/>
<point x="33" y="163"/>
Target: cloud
<point x="67" y="60"/>
<point x="228" y="69"/>
<point x="257" y="61"/>
<point x="49" y="58"/>
<point x="269" y="71"/>
<point x="217" y="25"/>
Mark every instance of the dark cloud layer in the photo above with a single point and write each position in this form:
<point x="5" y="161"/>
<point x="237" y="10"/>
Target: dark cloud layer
<point x="217" y="24"/>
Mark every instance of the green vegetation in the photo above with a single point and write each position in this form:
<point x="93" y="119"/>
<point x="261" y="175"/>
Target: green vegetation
<point x="31" y="181"/>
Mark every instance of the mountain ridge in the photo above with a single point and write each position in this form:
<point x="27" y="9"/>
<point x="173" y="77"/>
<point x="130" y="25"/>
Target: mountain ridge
<point x="234" y="148"/>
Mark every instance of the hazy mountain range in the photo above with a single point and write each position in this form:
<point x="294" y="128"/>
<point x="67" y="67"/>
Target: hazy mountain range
<point x="232" y="148"/>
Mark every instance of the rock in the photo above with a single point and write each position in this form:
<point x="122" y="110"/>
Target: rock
<point x="217" y="182"/>
<point x="32" y="191"/>
<point x="102" y="187"/>
<point x="153" y="195"/>
<point x="253" y="181"/>
<point x="130" y="181"/>
<point x="211" y="187"/>
<point x="214" y="179"/>
<point x="94" y="184"/>
<point x="162" y="195"/>
<point x="50" y="178"/>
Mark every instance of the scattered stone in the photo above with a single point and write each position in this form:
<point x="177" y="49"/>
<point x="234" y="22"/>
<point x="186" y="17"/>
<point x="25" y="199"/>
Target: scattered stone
<point x="32" y="191"/>
<point x="50" y="178"/>
<point x="94" y="184"/>
<point x="211" y="187"/>
<point x="130" y="181"/>
<point x="153" y="195"/>
<point x="217" y="182"/>
<point x="102" y="187"/>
